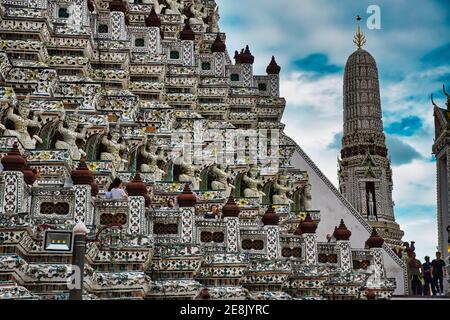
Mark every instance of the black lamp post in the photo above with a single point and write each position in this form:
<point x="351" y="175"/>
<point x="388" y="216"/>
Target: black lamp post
<point x="79" y="248"/>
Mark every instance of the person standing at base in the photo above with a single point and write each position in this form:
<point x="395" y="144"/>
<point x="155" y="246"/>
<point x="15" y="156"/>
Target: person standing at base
<point x="414" y="272"/>
<point x="438" y="269"/>
<point x="428" y="277"/>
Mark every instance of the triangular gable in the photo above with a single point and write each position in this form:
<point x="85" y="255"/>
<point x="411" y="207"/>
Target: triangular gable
<point x="334" y="206"/>
<point x="368" y="161"/>
<point x="370" y="173"/>
<point x="441" y="121"/>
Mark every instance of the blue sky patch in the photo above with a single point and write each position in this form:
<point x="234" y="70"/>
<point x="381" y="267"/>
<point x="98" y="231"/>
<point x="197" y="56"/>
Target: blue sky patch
<point x="438" y="56"/>
<point x="337" y="142"/>
<point x="414" y="210"/>
<point x="316" y="62"/>
<point x="400" y="152"/>
<point x="405" y="127"/>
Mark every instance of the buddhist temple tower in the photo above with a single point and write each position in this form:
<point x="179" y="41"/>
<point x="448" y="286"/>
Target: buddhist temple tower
<point x="365" y="175"/>
<point x="441" y="150"/>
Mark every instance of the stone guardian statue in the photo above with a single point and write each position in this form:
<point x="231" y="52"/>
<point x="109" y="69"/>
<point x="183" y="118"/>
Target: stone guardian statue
<point x="252" y="183"/>
<point x="150" y="152"/>
<point x="114" y="148"/>
<point x="21" y="124"/>
<point x="70" y="136"/>
<point x="282" y="187"/>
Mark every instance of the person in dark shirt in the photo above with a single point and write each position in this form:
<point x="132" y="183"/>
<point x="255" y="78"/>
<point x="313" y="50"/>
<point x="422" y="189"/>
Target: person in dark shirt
<point x="438" y="270"/>
<point x="213" y="214"/>
<point x="428" y="277"/>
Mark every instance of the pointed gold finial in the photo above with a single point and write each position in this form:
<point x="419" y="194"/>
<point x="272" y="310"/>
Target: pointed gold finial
<point x="360" y="38"/>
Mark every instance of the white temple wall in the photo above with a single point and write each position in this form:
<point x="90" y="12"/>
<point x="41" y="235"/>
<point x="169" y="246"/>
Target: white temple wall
<point x="333" y="207"/>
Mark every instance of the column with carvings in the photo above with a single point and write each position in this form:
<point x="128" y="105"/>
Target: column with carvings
<point x="138" y="199"/>
<point x="153" y="24"/>
<point x="13" y="182"/>
<point x="342" y="235"/>
<point x="187" y="38"/>
<point x="82" y="180"/>
<point x="218" y="50"/>
<point x="273" y="73"/>
<point x="119" y="17"/>
<point x="230" y="214"/>
<point x="246" y="60"/>
<point x="307" y="229"/>
<point x="187" y="201"/>
<point x="270" y="221"/>
<point x="375" y="244"/>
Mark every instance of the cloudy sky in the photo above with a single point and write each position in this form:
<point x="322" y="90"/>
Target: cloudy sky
<point x="311" y="40"/>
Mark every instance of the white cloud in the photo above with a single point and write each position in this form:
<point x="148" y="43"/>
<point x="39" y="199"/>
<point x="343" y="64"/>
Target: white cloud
<point x="415" y="184"/>
<point x="321" y="96"/>
<point x="314" y="115"/>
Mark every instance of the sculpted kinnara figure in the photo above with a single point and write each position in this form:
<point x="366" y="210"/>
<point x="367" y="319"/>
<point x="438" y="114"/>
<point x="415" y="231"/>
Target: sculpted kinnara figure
<point x="151" y="154"/>
<point x="188" y="171"/>
<point x="21" y="124"/>
<point x="70" y="136"/>
<point x="214" y="21"/>
<point x="189" y="174"/>
<point x="220" y="182"/>
<point x="252" y="182"/>
<point x="114" y="148"/>
<point x="174" y="6"/>
<point x="158" y="7"/>
<point x="197" y="10"/>
<point x="370" y="203"/>
<point x="282" y="187"/>
<point x="306" y="197"/>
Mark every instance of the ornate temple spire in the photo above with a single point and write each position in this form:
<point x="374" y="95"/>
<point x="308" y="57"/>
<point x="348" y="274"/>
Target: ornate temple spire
<point x="432" y="102"/>
<point x="152" y="20"/>
<point x="187" y="33"/>
<point x="360" y="38"/>
<point x="218" y="45"/>
<point x="365" y="175"/>
<point x="273" y="67"/>
<point x="448" y="97"/>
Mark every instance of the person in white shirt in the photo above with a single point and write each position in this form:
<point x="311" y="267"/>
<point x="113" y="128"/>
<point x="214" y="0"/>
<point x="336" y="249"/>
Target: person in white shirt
<point x="115" y="190"/>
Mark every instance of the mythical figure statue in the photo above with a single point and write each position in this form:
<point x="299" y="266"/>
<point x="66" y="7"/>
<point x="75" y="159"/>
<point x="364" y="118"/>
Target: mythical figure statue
<point x="282" y="187"/>
<point x="21" y="124"/>
<point x="252" y="182"/>
<point x="188" y="171"/>
<point x="221" y="175"/>
<point x="306" y="197"/>
<point x="409" y="249"/>
<point x="214" y="21"/>
<point x="174" y="6"/>
<point x="199" y="13"/>
<point x="114" y="148"/>
<point x="75" y="15"/>
<point x="70" y="136"/>
<point x="158" y="7"/>
<point x="150" y="151"/>
<point x="371" y="213"/>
